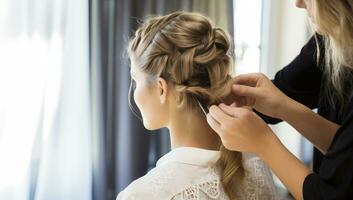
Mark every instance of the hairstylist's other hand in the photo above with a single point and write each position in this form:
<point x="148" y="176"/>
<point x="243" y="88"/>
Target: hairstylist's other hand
<point x="257" y="91"/>
<point x="240" y="128"/>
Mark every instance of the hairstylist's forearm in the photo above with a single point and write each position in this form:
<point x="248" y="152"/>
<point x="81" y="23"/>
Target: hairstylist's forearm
<point x="290" y="170"/>
<point x="312" y="126"/>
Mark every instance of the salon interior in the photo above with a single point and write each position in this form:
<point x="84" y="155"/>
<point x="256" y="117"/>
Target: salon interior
<point x="67" y="131"/>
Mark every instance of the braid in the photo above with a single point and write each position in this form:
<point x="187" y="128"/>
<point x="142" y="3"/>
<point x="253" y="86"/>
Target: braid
<point x="191" y="54"/>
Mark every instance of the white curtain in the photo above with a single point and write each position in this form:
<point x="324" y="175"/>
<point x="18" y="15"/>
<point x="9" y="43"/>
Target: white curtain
<point x="45" y="138"/>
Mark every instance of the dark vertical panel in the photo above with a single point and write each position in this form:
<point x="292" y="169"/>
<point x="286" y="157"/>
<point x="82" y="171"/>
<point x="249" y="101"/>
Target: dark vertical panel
<point x="123" y="149"/>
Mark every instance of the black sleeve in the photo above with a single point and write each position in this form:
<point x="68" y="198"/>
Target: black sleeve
<point x="301" y="79"/>
<point x="335" y="178"/>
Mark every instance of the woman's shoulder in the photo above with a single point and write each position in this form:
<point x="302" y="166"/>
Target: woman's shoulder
<point x="166" y="181"/>
<point x="251" y="160"/>
<point x="258" y="179"/>
<point x="150" y="186"/>
<point x="256" y="170"/>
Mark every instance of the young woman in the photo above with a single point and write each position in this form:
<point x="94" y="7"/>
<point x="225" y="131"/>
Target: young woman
<point x="323" y="81"/>
<point x="180" y="62"/>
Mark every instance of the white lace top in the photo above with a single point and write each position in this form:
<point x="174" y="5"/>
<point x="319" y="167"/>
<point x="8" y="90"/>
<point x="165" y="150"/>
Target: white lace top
<point x="188" y="173"/>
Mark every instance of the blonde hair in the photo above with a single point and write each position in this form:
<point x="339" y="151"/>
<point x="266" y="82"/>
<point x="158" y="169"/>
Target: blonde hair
<point x="189" y="52"/>
<point x="334" y="20"/>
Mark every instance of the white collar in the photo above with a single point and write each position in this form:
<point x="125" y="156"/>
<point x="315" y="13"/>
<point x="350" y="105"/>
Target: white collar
<point x="191" y="156"/>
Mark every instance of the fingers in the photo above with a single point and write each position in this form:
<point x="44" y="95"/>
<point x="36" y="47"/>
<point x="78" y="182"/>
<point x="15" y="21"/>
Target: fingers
<point x="230" y="98"/>
<point x="219" y="115"/>
<point x="240" y="101"/>
<point x="218" y="119"/>
<point x="242" y="90"/>
<point x="247" y="79"/>
<point x="237" y="100"/>
<point x="226" y="109"/>
<point x="236" y="112"/>
<point x="214" y="124"/>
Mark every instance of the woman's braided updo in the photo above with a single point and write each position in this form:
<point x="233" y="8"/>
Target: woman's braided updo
<point x="190" y="53"/>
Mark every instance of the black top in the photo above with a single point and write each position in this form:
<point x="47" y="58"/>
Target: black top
<point x="305" y="82"/>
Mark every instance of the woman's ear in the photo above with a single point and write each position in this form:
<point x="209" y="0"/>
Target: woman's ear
<point x="162" y="89"/>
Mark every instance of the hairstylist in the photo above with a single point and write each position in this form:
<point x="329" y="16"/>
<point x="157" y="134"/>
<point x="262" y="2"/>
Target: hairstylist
<point x="319" y="77"/>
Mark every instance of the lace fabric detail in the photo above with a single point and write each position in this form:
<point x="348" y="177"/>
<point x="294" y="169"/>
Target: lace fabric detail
<point x="258" y="183"/>
<point x="187" y="182"/>
<point x="210" y="189"/>
<point x="165" y="176"/>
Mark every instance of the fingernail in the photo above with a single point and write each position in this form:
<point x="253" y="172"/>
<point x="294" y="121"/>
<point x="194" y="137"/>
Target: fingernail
<point x="212" y="107"/>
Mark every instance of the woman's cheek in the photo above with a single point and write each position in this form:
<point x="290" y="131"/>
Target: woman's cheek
<point x="149" y="107"/>
<point x="141" y="101"/>
<point x="138" y="98"/>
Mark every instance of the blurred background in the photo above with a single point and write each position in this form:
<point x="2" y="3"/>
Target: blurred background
<point x="66" y="130"/>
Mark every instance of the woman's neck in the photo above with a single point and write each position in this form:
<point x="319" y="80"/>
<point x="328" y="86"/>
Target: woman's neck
<point x="188" y="129"/>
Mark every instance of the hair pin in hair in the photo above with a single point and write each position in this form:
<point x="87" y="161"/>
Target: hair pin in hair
<point x="203" y="107"/>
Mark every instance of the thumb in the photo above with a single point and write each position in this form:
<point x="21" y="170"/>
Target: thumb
<point x="247" y="91"/>
<point x="233" y="111"/>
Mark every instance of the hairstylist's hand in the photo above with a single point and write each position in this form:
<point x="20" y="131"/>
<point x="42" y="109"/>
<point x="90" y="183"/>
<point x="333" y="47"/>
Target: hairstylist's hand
<point x="240" y="129"/>
<point x="257" y="91"/>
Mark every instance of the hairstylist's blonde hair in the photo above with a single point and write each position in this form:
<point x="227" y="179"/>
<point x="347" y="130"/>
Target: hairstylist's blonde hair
<point x="194" y="56"/>
<point x="334" y="20"/>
